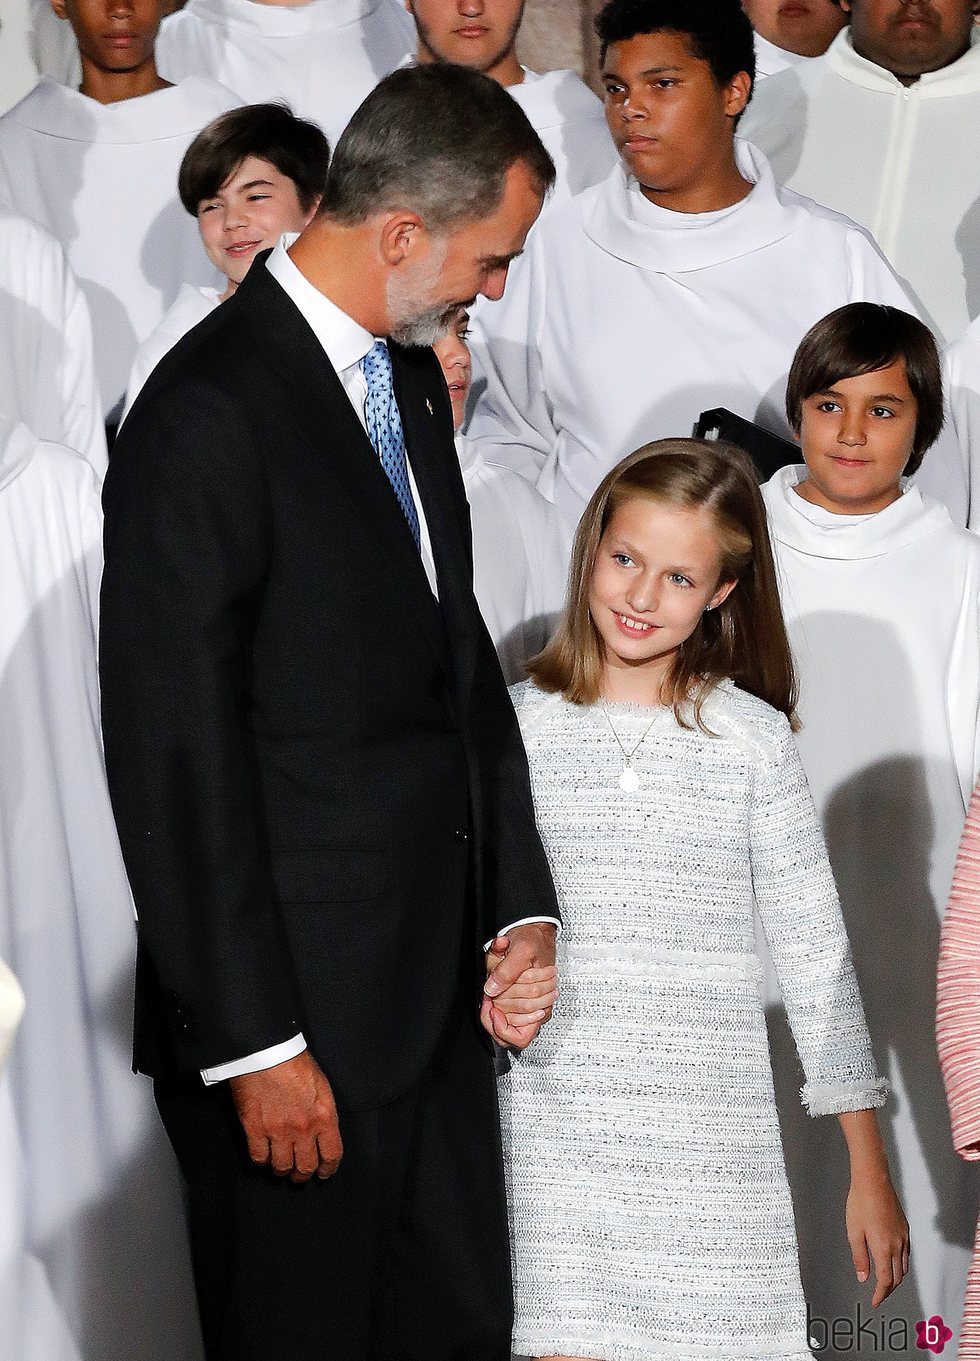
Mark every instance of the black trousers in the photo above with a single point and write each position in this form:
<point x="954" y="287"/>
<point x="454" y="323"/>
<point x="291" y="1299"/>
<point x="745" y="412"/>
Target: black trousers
<point x="403" y="1255"/>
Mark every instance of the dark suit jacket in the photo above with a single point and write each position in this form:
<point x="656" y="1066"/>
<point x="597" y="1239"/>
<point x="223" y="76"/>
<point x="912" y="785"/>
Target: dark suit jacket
<point x="317" y="775"/>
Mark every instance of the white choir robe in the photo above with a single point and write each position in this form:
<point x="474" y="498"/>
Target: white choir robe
<point x="962" y="380"/>
<point x="192" y="306"/>
<point x="102" y="178"/>
<point x="901" y="160"/>
<point x="770" y="59"/>
<point x="569" y="119"/>
<point x="520" y="558"/>
<point x="94" y="1262"/>
<point x="883" y="615"/>
<point x="324" y="58"/>
<point x="47" y="369"/>
<point x="624" y="321"/>
<point x="11" y="1009"/>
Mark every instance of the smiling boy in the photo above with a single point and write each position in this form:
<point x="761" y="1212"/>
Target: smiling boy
<point x="248" y="178"/>
<point x="881" y="595"/>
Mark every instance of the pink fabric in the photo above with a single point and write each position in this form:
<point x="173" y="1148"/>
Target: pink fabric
<point x="958" y="1033"/>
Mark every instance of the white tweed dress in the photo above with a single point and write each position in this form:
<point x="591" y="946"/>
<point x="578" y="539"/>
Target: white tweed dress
<point x="650" y="1212"/>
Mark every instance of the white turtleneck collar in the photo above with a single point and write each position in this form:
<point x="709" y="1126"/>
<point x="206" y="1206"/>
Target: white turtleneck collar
<point x="625" y="224"/>
<point x="960" y="77"/>
<point x="820" y="533"/>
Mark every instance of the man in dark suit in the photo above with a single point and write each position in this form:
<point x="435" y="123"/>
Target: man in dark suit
<point x="318" y="780"/>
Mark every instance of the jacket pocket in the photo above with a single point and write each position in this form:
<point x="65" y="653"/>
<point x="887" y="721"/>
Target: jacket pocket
<point x="329" y="876"/>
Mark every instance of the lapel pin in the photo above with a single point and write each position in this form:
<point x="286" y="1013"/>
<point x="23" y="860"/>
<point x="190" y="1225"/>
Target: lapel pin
<point x="429" y="406"/>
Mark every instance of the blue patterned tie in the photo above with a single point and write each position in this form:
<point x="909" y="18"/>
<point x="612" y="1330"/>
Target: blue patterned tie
<point x="384" y="427"/>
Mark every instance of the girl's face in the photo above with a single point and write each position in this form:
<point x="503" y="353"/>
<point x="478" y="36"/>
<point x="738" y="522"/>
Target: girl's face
<point x="657" y="570"/>
<point x="249" y="213"/>
<point x="453" y="354"/>
<point x="857" y="438"/>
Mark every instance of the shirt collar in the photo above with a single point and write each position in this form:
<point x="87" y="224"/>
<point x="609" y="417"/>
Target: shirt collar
<point x="343" y="339"/>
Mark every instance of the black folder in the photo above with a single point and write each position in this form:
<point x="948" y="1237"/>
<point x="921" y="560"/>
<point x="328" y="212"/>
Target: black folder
<point x="767" y="451"/>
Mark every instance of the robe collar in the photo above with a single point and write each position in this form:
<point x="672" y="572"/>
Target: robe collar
<point x="281" y="21"/>
<point x="770" y="59"/>
<point x="555" y="98"/>
<point x="623" y="223"/>
<point x="960" y="77"/>
<point x="180" y="111"/>
<point x="819" y="533"/>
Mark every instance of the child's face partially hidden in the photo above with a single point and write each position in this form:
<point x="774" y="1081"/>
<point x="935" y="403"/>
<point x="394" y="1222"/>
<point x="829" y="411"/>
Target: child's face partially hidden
<point x="657" y="570"/>
<point x="453" y="354"/>
<point x="857" y="438"/>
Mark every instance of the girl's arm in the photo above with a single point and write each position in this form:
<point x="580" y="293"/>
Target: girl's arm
<point x="877" y="1229"/>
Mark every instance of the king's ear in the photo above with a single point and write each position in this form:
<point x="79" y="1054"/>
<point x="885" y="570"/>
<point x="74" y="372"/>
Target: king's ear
<point x="402" y="235"/>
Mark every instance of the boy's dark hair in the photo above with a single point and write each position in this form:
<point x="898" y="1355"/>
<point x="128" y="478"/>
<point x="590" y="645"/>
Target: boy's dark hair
<point x="863" y="337"/>
<point x="296" y="148"/>
<point x="438" y="140"/>
<point x="717" y="31"/>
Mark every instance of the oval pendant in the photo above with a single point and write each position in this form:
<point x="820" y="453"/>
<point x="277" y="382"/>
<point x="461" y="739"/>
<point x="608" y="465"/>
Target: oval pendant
<point x="629" y="781"/>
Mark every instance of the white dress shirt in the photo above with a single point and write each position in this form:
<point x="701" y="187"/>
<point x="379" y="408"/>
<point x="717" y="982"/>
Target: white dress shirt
<point x="345" y="343"/>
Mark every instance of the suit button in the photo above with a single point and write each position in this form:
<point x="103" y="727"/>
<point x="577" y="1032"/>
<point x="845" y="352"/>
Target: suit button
<point x="462" y="835"/>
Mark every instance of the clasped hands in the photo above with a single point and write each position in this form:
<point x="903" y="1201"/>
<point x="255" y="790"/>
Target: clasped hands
<point x="522" y="984"/>
<point x="288" y="1111"/>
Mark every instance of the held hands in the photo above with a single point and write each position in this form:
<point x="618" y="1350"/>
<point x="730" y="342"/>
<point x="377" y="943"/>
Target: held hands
<point x="522" y="984"/>
<point x="290" y="1119"/>
<point x="877" y="1231"/>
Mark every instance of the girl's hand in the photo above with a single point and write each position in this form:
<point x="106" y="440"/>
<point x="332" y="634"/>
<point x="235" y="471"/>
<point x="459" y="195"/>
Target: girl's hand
<point x="877" y="1231"/>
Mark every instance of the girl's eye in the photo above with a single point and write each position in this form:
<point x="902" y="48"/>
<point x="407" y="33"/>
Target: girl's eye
<point x="623" y="559"/>
<point x="680" y="580"/>
<point x="614" y="91"/>
<point x="206" y="208"/>
<point x="665" y="83"/>
<point x="258" y="198"/>
<point x="828" y="406"/>
<point x="882" y="411"/>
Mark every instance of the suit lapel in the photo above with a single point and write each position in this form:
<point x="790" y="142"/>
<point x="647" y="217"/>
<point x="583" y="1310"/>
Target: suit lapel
<point x="426" y="413"/>
<point x="319" y="404"/>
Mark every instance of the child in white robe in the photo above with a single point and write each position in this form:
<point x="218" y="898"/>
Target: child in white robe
<point x="94" y="1259"/>
<point x="520" y="550"/>
<point x="681" y="283"/>
<point x="98" y="168"/>
<point x="650" y="1212"/>
<point x="47" y="370"/>
<point x="560" y="107"/>
<point x="253" y="175"/>
<point x="881" y="595"/>
<point x="323" y="57"/>
<point x="787" y="36"/>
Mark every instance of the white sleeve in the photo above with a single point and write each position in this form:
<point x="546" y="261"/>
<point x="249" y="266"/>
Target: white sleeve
<point x="255" y="1063"/>
<point x="804" y="926"/>
<point x="83" y="417"/>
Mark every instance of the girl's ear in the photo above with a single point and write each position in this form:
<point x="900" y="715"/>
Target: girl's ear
<point x="722" y="594"/>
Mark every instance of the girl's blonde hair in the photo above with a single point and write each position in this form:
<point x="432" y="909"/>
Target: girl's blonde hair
<point x="743" y="639"/>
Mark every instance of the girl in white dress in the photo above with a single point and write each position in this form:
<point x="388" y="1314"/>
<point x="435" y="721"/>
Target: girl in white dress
<point x="650" y="1209"/>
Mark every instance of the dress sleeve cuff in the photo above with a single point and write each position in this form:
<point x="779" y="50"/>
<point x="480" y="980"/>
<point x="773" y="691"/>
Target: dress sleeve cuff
<point x="526" y="921"/>
<point x="834" y="1098"/>
<point x="255" y="1063"/>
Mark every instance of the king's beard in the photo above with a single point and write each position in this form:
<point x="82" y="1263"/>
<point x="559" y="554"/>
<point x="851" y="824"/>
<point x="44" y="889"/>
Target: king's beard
<point x="414" y="317"/>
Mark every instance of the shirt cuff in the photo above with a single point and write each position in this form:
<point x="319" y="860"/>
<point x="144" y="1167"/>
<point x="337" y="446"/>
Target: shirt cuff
<point x="526" y="921"/>
<point x="255" y="1063"/>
